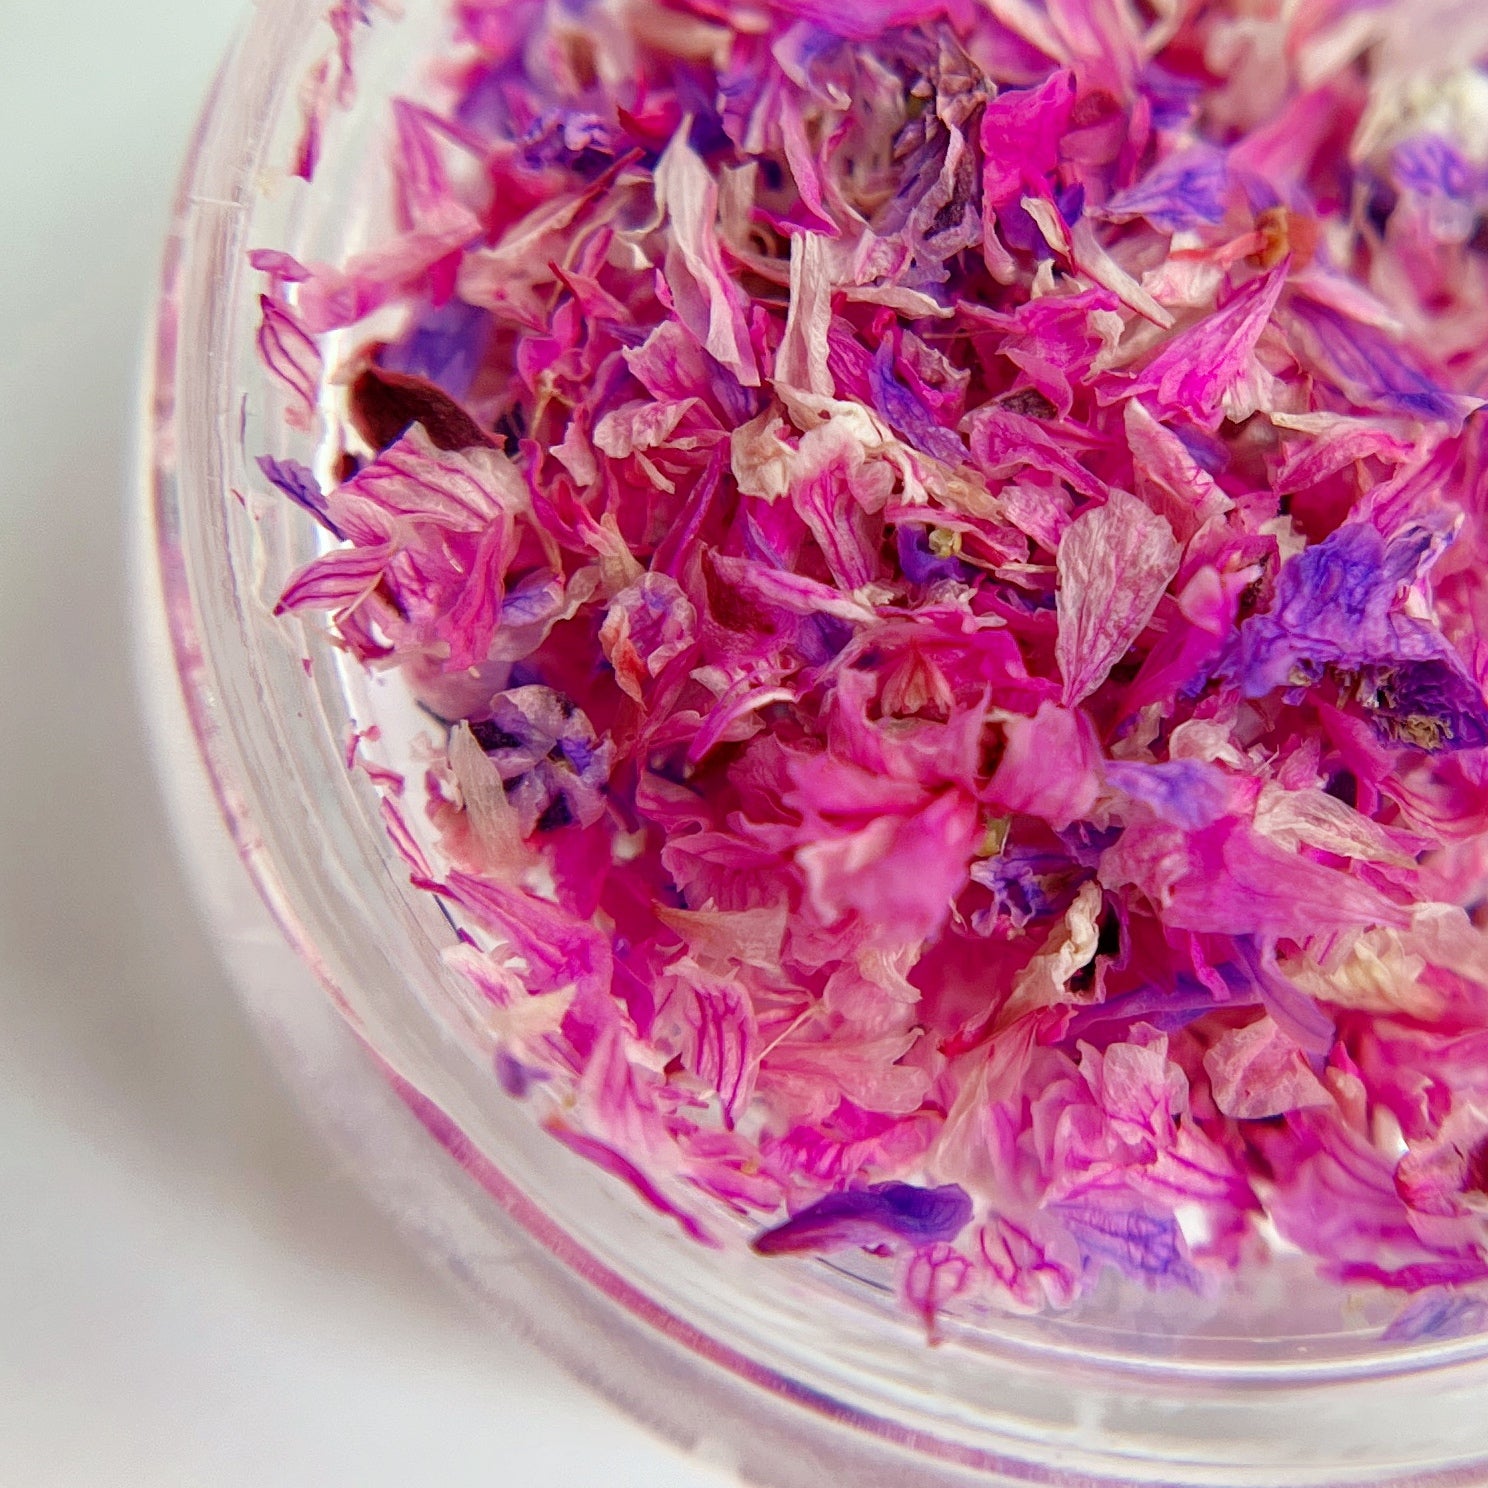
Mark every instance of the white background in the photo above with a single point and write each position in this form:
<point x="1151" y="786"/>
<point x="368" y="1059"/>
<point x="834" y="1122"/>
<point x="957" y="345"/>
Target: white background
<point x="190" y="1291"/>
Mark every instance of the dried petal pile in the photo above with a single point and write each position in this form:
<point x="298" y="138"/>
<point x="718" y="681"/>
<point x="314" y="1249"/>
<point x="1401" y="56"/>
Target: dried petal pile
<point x="947" y="538"/>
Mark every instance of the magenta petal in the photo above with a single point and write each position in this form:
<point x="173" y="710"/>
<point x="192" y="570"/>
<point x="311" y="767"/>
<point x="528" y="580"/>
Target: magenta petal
<point x="619" y="1166"/>
<point x="1198" y="369"/>
<point x="940" y="551"/>
<point x="338" y="581"/>
<point x="289" y="352"/>
<point x="899" y="872"/>
<point x="1048" y="766"/>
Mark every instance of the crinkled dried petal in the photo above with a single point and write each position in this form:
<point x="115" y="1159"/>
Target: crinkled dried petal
<point x="1115" y="562"/>
<point x="948" y="542"/>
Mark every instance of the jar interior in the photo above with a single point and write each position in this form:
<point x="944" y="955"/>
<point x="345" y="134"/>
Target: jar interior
<point x="276" y="703"/>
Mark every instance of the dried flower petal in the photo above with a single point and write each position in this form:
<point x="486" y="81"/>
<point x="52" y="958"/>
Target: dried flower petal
<point x="949" y="543"/>
<point x="892" y="1211"/>
<point x="290" y="354"/>
<point x="1115" y="562"/>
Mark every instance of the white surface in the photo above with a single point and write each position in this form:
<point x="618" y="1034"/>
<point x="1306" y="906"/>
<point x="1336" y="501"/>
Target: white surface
<point x="190" y="1292"/>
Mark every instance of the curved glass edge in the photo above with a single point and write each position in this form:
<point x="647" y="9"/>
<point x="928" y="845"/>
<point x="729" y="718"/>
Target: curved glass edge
<point x="607" y="1302"/>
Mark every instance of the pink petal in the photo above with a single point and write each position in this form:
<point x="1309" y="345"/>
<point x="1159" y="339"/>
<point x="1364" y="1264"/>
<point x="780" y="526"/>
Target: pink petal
<point x="289" y="352"/>
<point x="1048" y="766"/>
<point x="1257" y="1071"/>
<point x="708" y="301"/>
<point x="1114" y="563"/>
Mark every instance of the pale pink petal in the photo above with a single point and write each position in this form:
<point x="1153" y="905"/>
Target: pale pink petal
<point x="1257" y="1071"/>
<point x="1115" y="561"/>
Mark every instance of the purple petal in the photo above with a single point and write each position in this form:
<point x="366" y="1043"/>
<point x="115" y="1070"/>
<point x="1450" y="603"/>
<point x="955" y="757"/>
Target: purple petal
<point x="1429" y="165"/>
<point x="1173" y="96"/>
<point x="447" y="347"/>
<point x="1369" y="367"/>
<point x="1183" y="191"/>
<point x="884" y="1211"/>
<point x="1438" y="1315"/>
<point x="1141" y="1244"/>
<point x="1188" y="793"/>
<point x="907" y="416"/>
<point x="1337" y="605"/>
<point x="1165" y="1009"/>
<point x="919" y="564"/>
<point x="299" y="484"/>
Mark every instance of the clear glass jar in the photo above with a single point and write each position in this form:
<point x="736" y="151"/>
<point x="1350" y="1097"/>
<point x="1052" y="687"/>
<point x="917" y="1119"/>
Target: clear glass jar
<point x="791" y="1373"/>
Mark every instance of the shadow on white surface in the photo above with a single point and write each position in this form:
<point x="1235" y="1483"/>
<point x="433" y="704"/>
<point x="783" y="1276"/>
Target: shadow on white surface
<point x="191" y="1291"/>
